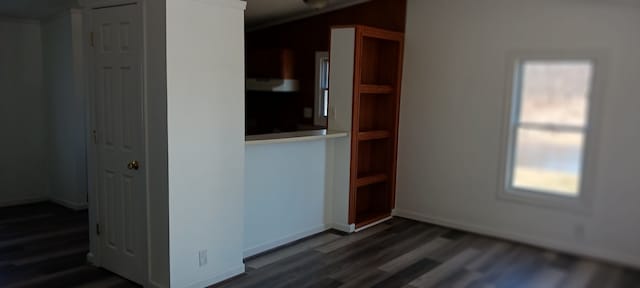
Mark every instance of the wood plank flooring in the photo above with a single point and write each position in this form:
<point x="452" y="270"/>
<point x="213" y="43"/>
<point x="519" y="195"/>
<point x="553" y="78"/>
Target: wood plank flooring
<point x="45" y="245"/>
<point x="405" y="253"/>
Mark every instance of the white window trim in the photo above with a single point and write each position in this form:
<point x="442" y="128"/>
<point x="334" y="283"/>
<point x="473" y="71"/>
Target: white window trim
<point x="318" y="119"/>
<point x="584" y="201"/>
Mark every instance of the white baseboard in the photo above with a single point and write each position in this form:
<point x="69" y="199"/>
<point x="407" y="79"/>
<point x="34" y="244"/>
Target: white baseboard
<point x="92" y="259"/>
<point x="348" y="228"/>
<point x="372" y="224"/>
<point x="221" y="277"/>
<point x="30" y="200"/>
<point x="69" y="204"/>
<point x="571" y="248"/>
<point x="284" y="240"/>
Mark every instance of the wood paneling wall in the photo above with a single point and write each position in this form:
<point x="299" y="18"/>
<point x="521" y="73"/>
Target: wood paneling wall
<point x="306" y="36"/>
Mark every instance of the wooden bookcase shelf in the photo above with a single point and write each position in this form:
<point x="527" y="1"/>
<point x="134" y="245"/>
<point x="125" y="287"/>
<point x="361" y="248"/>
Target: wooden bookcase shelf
<point x="368" y="217"/>
<point x="374" y="135"/>
<point x="373" y="179"/>
<point x="375" y="89"/>
<point x="376" y="101"/>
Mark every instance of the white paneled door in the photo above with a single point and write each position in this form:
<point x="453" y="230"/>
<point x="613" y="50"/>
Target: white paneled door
<point x="117" y="46"/>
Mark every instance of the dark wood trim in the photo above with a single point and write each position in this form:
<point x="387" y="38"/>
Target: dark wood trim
<point x="380" y="33"/>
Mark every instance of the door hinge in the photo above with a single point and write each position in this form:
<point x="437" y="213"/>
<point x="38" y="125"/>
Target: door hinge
<point x="98" y="229"/>
<point x="91" y="41"/>
<point x="94" y="135"/>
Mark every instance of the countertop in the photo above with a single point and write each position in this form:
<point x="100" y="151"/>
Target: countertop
<point x="297" y="136"/>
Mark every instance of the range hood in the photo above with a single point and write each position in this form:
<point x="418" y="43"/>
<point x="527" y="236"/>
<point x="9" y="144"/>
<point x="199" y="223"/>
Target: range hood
<point x="272" y="85"/>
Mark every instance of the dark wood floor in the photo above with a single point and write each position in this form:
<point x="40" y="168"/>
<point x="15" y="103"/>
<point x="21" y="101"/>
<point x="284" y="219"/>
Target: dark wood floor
<point x="45" y="245"/>
<point x="405" y="253"/>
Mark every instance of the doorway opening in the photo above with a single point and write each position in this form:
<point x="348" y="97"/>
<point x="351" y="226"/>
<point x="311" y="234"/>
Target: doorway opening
<point x="59" y="210"/>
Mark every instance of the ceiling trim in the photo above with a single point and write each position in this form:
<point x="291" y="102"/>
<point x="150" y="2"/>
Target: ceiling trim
<point x="304" y="15"/>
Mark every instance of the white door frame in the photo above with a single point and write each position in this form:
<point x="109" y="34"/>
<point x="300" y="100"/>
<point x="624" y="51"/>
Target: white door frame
<point x="94" y="256"/>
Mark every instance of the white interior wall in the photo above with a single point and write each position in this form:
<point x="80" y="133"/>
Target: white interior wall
<point x="205" y="122"/>
<point x="23" y="114"/>
<point x="342" y="57"/>
<point x="63" y="89"/>
<point x="285" y="195"/>
<point x="456" y="78"/>
<point x="156" y="120"/>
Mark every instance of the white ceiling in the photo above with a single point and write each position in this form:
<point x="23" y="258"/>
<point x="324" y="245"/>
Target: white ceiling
<point x="267" y="12"/>
<point x="33" y="9"/>
<point x="259" y="13"/>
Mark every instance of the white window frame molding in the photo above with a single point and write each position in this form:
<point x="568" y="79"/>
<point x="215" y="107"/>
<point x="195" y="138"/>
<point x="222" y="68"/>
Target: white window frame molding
<point x="318" y="119"/>
<point x="582" y="203"/>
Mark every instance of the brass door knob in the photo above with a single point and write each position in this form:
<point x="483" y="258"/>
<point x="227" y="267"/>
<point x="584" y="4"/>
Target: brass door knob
<point x="133" y="165"/>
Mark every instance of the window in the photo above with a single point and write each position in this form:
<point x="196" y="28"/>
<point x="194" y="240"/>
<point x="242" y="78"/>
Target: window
<point x="548" y="126"/>
<point x="322" y="89"/>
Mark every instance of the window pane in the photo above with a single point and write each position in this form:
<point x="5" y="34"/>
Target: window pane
<point x="548" y="161"/>
<point x="555" y="92"/>
<point x="324" y="80"/>
<point x="325" y="101"/>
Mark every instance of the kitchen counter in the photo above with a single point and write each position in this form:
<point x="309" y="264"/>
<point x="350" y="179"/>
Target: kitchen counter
<point x="297" y="136"/>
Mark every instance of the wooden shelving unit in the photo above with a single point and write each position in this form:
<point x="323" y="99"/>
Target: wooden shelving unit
<point x="376" y="99"/>
<point x="375" y="89"/>
<point x="373" y="135"/>
<point x="373" y="179"/>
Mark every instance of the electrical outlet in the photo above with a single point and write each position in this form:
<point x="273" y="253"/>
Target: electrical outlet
<point x="202" y="256"/>
<point x="332" y="112"/>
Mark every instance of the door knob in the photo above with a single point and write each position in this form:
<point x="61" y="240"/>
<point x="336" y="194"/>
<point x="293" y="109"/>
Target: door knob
<point x="133" y="165"/>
